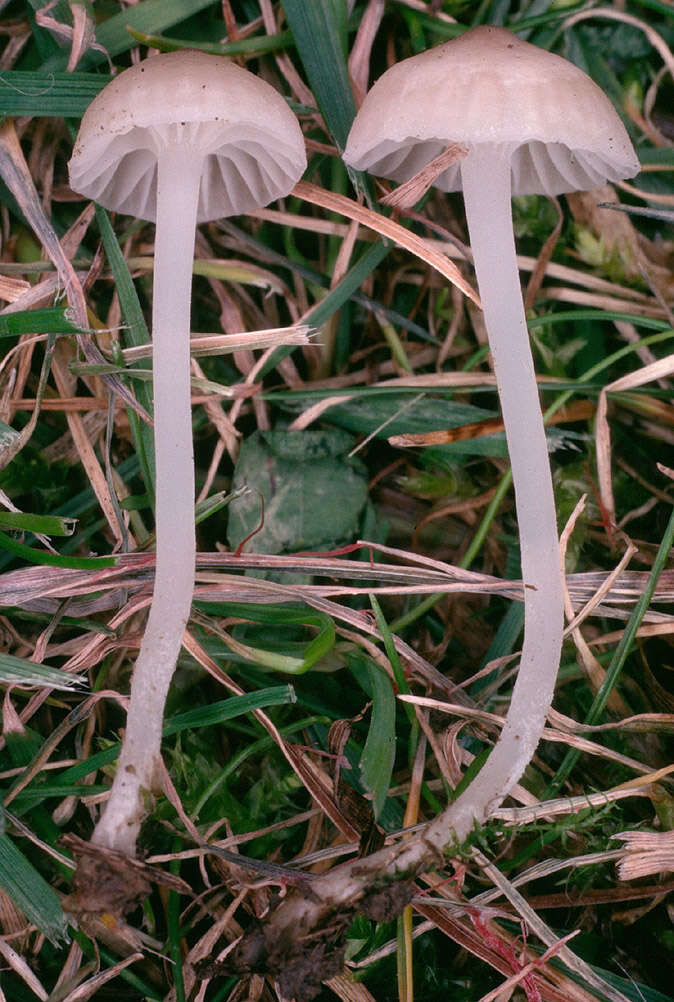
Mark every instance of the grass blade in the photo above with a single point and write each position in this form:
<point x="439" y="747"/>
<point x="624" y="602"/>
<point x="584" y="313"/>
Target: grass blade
<point x="51" y="320"/>
<point x="18" y="671"/>
<point x="30" y="892"/>
<point x="376" y="762"/>
<point x="45" y="558"/>
<point x="48" y="94"/>
<point x="137" y="334"/>
<point x="319" y="29"/>
<point x="50" y="525"/>
<point x="228" y="709"/>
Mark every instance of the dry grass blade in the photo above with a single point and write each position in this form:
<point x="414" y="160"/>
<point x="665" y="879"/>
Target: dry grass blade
<point x="408" y="194"/>
<point x="577" y="411"/>
<point x="647" y="196"/>
<point x="644" y="853"/>
<point x="304" y="768"/>
<point x="591" y="666"/>
<point x="16" y="175"/>
<point x="89" y="988"/>
<point x="348" y="990"/>
<point x="221" y="344"/>
<point x="603" y="590"/>
<point x="544" y="258"/>
<point x="83" y="444"/>
<point x="17" y="964"/>
<point x="134" y="571"/>
<point x="528" y="969"/>
<point x="58" y="734"/>
<point x="225" y="269"/>
<point x="647" y="374"/>
<point x="637" y="722"/>
<point x="472" y="940"/>
<point x="571" y="805"/>
<point x="359" y="57"/>
<point x="494" y="722"/>
<point x="430" y="10"/>
<point x="81" y="35"/>
<point x="544" y="933"/>
<point x="554" y="270"/>
<point x="386" y="228"/>
<point x="607" y="303"/>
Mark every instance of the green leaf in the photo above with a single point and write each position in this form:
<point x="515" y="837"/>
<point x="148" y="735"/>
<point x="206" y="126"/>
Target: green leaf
<point x="608" y="316"/>
<point x="32" y="794"/>
<point x="8" y="437"/>
<point x="31" y="893"/>
<point x="19" y="671"/>
<point x="319" y="28"/>
<point x="657" y="155"/>
<point x="391" y="652"/>
<point x="213" y="504"/>
<point x="313" y="494"/>
<point x="637" y="991"/>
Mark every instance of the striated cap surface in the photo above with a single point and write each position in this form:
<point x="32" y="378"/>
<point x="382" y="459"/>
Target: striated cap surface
<point x="488" y="86"/>
<point x="248" y="137"/>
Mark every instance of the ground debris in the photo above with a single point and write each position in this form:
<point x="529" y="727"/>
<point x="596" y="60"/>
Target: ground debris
<point x="110" y="882"/>
<point x="298" y="966"/>
<point x="386" y="903"/>
<point x="300" y="959"/>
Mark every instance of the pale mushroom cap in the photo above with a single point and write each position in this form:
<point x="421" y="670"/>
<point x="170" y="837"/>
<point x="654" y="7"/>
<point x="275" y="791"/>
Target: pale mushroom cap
<point x="488" y="86"/>
<point x="251" y="141"/>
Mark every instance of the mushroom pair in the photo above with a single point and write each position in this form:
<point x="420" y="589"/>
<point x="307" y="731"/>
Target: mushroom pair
<point x="177" y="139"/>
<point x="186" y="137"/>
<point x="498" y="116"/>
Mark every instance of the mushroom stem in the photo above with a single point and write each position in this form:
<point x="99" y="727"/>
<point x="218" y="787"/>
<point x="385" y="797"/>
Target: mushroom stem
<point x="485" y="173"/>
<point x="178" y="179"/>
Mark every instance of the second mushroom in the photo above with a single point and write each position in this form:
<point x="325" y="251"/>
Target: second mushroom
<point x="178" y="139"/>
<point x="494" y="116"/>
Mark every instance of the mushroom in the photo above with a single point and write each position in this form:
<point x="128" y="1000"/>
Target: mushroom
<point x="178" y="139"/>
<point x="513" y="119"/>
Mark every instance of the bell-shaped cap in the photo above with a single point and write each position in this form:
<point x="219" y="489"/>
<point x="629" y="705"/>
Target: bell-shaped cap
<point x="488" y="86"/>
<point x="250" y="141"/>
